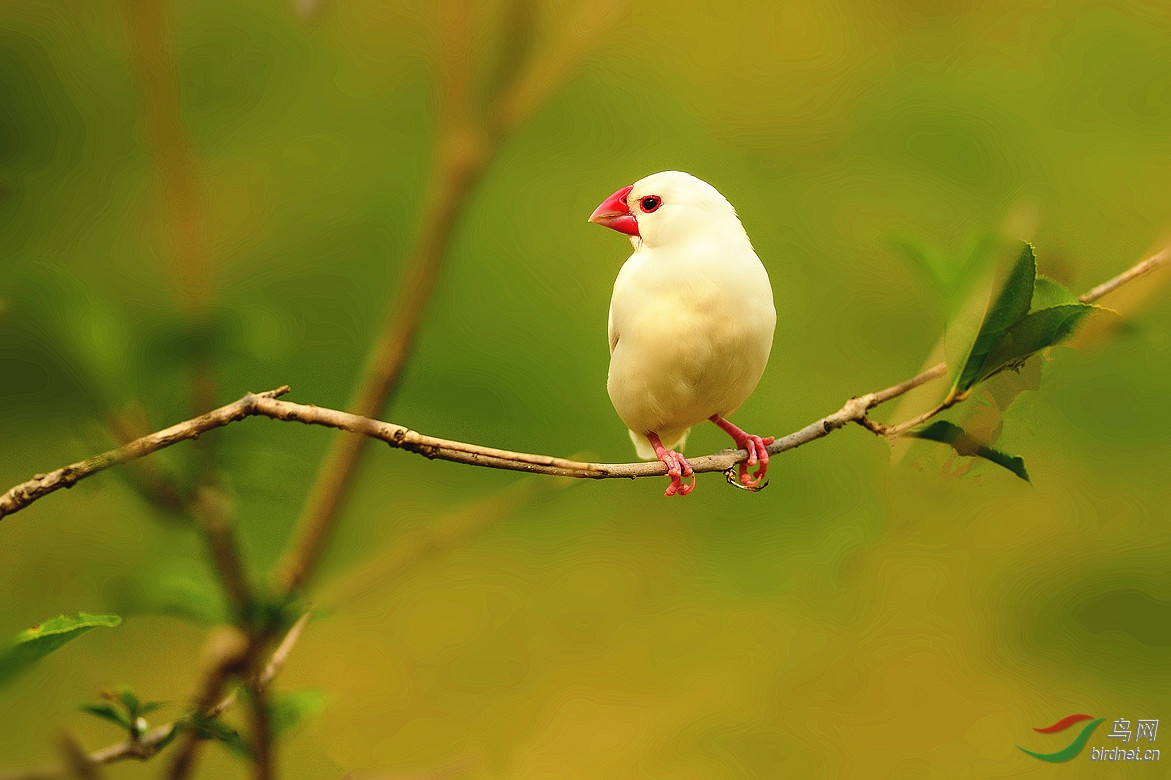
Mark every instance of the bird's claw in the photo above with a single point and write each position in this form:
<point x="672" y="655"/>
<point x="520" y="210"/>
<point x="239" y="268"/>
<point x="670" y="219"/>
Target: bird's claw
<point x="733" y="480"/>
<point x="757" y="448"/>
<point x="677" y="469"/>
<point x="757" y="453"/>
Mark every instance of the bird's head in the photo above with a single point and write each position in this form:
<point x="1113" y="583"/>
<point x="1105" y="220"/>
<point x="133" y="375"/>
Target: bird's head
<point x="666" y="207"/>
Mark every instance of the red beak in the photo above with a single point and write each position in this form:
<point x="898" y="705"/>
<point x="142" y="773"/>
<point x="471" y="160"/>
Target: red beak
<point x="614" y="213"/>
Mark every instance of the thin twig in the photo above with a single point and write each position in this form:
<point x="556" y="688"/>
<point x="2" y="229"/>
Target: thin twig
<point x="400" y="437"/>
<point x="947" y="403"/>
<point x="1145" y="267"/>
<point x="42" y="484"/>
<point x="894" y="391"/>
<point x="275" y="663"/>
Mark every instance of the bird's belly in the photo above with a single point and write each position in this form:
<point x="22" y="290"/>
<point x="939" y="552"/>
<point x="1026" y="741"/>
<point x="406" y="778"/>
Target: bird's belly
<point x="677" y="365"/>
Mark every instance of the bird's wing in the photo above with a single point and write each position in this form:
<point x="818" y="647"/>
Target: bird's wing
<point x="611" y="329"/>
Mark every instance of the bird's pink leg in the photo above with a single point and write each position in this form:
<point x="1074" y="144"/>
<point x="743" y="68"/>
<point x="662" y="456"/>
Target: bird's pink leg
<point x="677" y="467"/>
<point x="756" y="451"/>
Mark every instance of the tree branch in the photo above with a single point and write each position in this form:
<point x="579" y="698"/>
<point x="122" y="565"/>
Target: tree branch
<point x="400" y="437"/>
<point x="42" y="484"/>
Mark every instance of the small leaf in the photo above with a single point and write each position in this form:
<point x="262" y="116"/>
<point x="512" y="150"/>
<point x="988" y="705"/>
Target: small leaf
<point x="177" y="588"/>
<point x="190" y="596"/>
<point x="150" y="707"/>
<point x="107" y="711"/>
<point x="291" y="708"/>
<point x="271" y="611"/>
<point x="1009" y="306"/>
<point x="213" y="728"/>
<point x="176" y="338"/>
<point x="130" y="701"/>
<point x="967" y="445"/>
<point x="1048" y="293"/>
<point x="1034" y="332"/>
<point x="35" y="643"/>
<point x="174" y="732"/>
<point x="952" y="274"/>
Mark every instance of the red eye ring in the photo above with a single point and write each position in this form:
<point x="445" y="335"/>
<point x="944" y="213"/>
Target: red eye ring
<point x="649" y="203"/>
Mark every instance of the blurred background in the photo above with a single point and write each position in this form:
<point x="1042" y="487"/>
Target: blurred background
<point x="208" y="198"/>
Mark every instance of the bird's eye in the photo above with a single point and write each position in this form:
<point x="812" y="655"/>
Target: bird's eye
<point x="650" y="203"/>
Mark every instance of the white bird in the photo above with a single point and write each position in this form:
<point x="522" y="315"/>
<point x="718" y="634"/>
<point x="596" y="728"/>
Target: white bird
<point x="691" y="320"/>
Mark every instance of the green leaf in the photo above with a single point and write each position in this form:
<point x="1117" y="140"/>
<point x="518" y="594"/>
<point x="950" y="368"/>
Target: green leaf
<point x="151" y="706"/>
<point x="967" y="445"/>
<point x="177" y="587"/>
<point x="1009" y="306"/>
<point x="107" y="711"/>
<point x="174" y="732"/>
<point x="130" y="701"/>
<point x="1034" y="332"/>
<point x="271" y="611"/>
<point x="289" y="709"/>
<point x="952" y="274"/>
<point x="88" y="334"/>
<point x="35" y="643"/>
<point x="1048" y="293"/>
<point x="214" y="728"/>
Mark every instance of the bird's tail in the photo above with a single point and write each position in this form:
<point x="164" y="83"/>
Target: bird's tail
<point x="672" y="440"/>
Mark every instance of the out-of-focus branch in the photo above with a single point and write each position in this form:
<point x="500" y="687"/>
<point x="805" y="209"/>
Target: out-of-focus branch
<point x="228" y="656"/>
<point x="153" y="65"/>
<point x="400" y="437"/>
<point x="211" y="511"/>
<point x="262" y="758"/>
<point x="439" y="534"/>
<point x="466" y="146"/>
<point x="184" y="212"/>
<point x="552" y="63"/>
<point x="80" y="765"/>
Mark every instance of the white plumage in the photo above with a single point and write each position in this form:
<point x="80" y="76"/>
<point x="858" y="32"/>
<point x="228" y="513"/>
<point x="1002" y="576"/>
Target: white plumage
<point x="692" y="317"/>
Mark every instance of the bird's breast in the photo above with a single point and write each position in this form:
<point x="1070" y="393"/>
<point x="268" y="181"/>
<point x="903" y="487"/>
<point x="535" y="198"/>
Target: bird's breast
<point x="692" y="340"/>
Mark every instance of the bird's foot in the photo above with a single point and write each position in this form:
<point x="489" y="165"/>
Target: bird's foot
<point x="677" y="468"/>
<point x="757" y="452"/>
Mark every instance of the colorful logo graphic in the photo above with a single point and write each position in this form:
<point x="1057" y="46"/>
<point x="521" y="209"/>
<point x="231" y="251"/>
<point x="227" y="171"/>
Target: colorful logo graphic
<point x="1073" y="748"/>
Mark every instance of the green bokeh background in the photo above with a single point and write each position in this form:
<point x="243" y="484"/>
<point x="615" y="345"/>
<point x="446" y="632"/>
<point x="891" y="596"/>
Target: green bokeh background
<point x="860" y="617"/>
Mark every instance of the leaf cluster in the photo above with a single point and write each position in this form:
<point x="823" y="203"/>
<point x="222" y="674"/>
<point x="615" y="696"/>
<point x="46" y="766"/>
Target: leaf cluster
<point x="1029" y="313"/>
